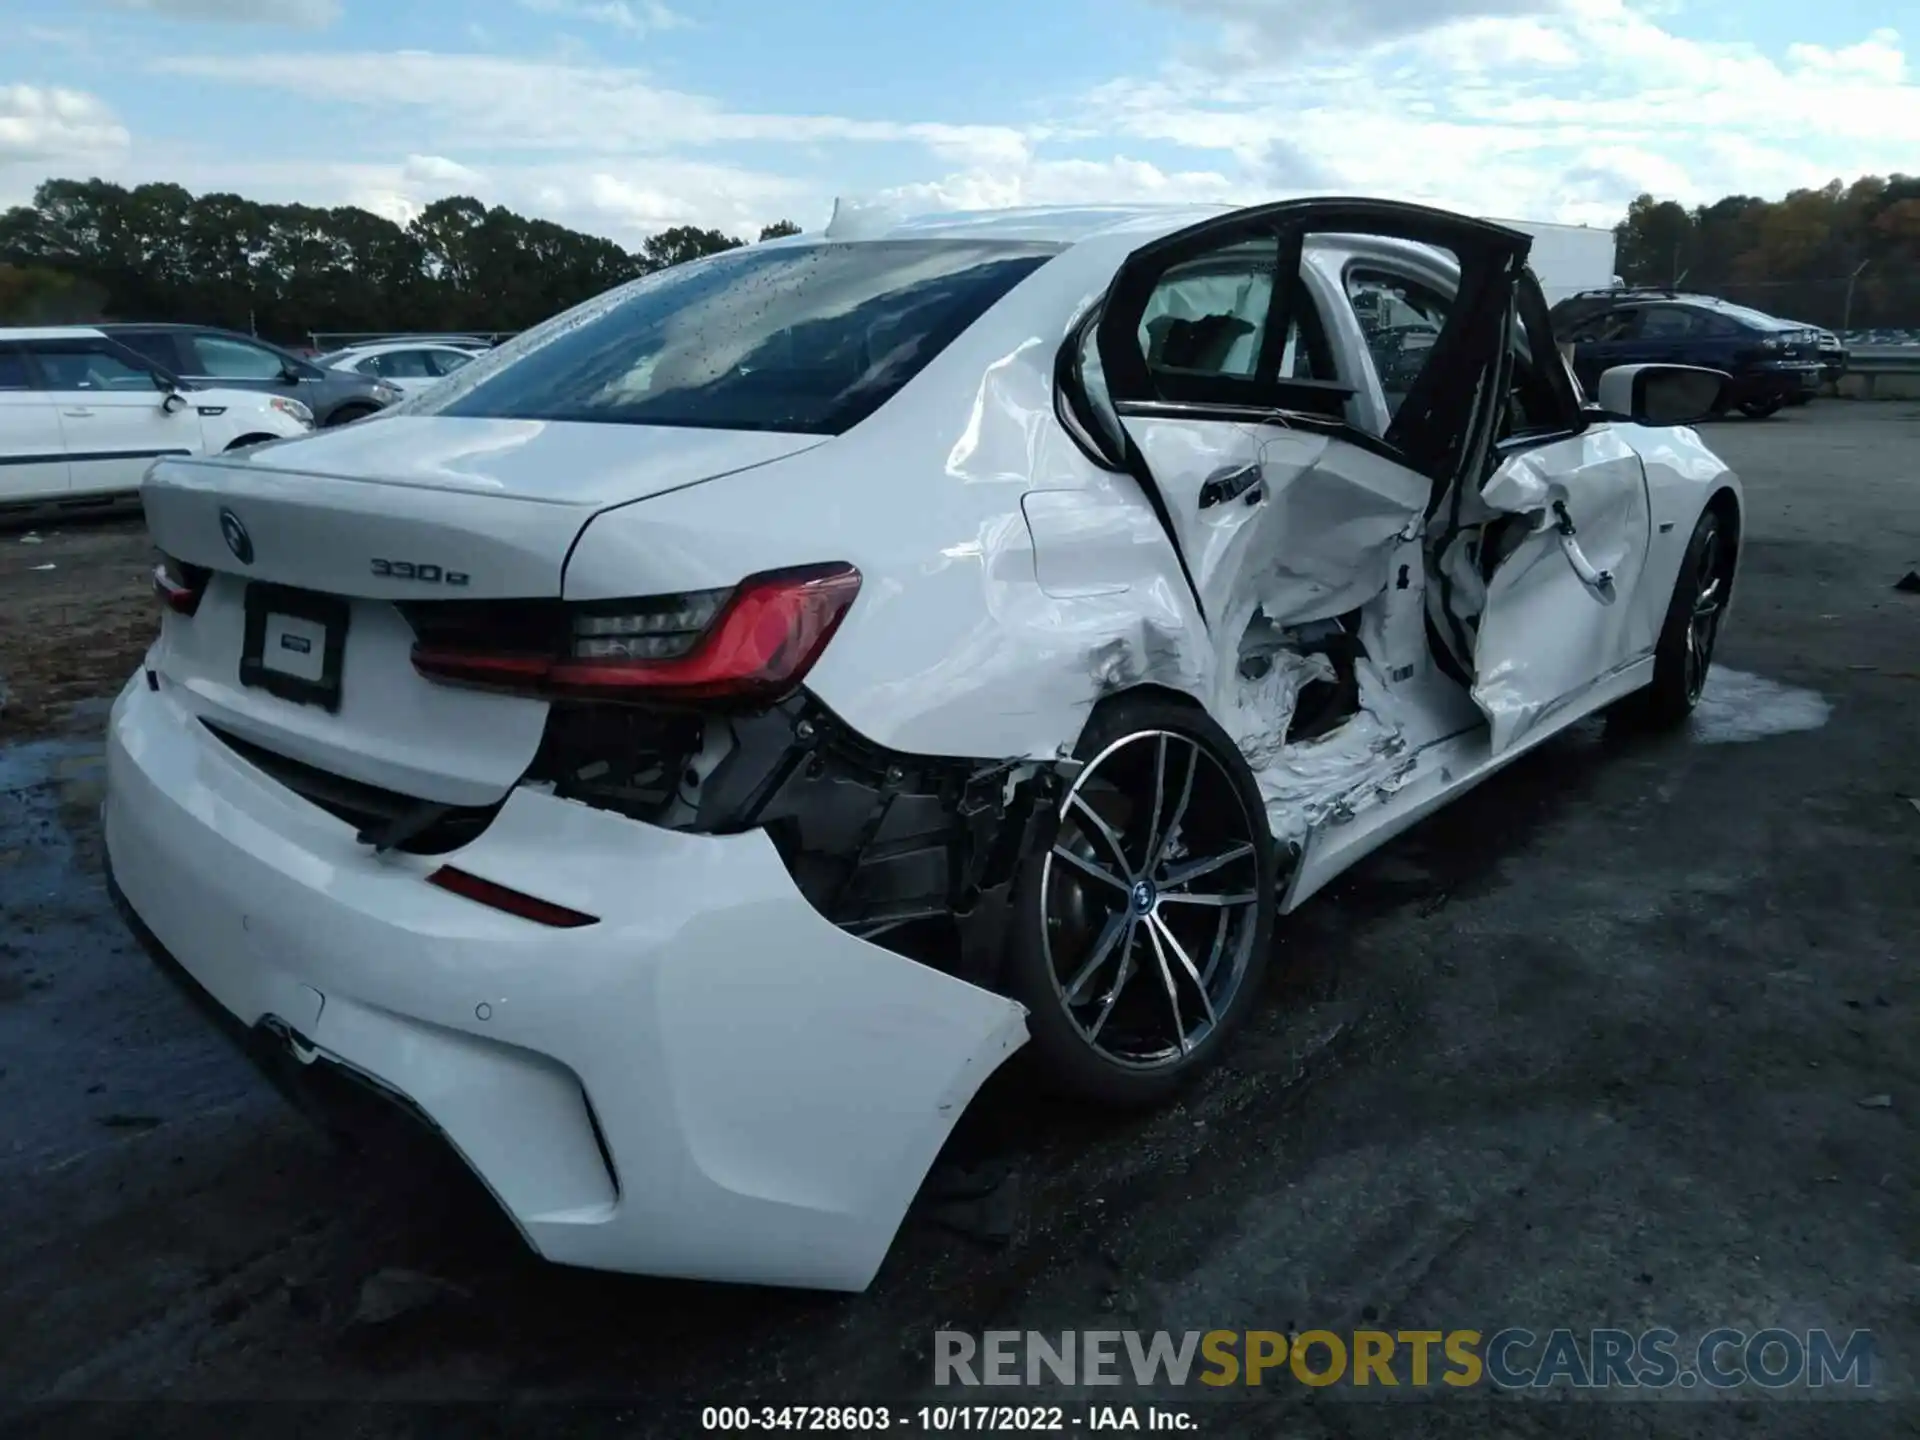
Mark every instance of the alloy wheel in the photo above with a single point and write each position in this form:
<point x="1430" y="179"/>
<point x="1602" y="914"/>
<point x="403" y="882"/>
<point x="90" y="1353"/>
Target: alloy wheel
<point x="1150" y="901"/>
<point x="1703" y="624"/>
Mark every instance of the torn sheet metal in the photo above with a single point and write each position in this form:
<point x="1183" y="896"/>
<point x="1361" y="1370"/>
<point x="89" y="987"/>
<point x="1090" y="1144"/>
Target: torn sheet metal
<point x="1306" y="782"/>
<point x="1547" y="634"/>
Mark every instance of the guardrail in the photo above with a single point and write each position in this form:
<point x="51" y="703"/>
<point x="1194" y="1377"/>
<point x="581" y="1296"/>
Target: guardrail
<point x="1881" y="372"/>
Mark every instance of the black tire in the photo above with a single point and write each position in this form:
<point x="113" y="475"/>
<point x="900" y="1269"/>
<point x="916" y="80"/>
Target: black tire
<point x="1759" y="409"/>
<point x="1685" y="649"/>
<point x="1203" y="961"/>
<point x="246" y="440"/>
<point x="347" y="414"/>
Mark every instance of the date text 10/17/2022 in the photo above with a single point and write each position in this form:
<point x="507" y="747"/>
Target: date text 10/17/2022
<point x="945" y="1419"/>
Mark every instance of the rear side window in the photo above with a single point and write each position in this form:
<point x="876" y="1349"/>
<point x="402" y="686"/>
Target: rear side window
<point x="1208" y="317"/>
<point x="399" y="365"/>
<point x="156" y="346"/>
<point x="13" y="371"/>
<point x="225" y="359"/>
<point x="809" y="339"/>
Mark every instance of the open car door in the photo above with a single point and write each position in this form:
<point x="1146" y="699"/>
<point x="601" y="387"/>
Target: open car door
<point x="1537" y="566"/>
<point x="1206" y="374"/>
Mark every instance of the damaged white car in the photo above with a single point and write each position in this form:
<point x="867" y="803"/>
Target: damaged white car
<point x="682" y="756"/>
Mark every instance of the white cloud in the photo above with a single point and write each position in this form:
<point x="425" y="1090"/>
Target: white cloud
<point x="1074" y="182"/>
<point x="1878" y="59"/>
<point x="66" y="39"/>
<point x="1256" y="30"/>
<point x="502" y="103"/>
<point x="1565" y="113"/>
<point x="1530" y="109"/>
<point x="636" y="17"/>
<point x="438" y="170"/>
<point x="49" y="126"/>
<point x="301" y="14"/>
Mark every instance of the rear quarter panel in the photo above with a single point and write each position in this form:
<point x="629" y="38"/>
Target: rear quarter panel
<point x="953" y="647"/>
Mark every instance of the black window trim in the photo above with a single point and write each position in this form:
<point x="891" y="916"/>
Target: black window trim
<point x="1530" y="314"/>
<point x="1490" y="257"/>
<point x="1129" y="382"/>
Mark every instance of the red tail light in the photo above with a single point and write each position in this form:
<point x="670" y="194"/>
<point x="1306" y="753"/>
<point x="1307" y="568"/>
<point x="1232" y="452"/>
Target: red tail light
<point x="754" y="642"/>
<point x="499" y="897"/>
<point x="180" y="586"/>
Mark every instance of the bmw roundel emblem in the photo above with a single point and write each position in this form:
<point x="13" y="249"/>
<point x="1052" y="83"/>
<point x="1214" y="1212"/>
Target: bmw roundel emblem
<point x="238" y="541"/>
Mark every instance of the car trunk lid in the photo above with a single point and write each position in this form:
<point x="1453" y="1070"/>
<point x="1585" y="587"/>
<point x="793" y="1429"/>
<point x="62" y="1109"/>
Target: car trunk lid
<point x="304" y="554"/>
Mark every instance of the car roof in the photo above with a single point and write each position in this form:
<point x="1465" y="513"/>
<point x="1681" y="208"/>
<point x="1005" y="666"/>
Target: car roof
<point x="109" y="326"/>
<point x="51" y="332"/>
<point x="1051" y="224"/>
<point x="382" y="347"/>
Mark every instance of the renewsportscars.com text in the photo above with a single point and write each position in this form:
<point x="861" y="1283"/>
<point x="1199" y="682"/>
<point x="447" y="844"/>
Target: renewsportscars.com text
<point x="1510" y="1359"/>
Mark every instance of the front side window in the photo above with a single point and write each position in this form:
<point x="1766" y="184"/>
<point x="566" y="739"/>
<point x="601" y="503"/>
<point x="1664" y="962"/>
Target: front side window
<point x="84" y="365"/>
<point x="156" y="346"/>
<point x="807" y="339"/>
<point x="225" y="359"/>
<point x="1608" y="326"/>
<point x="1400" y="318"/>
<point x="1664" y="322"/>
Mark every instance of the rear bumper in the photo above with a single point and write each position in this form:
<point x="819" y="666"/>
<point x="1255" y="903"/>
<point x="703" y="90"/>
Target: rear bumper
<point x="1783" y="383"/>
<point x="769" y="1091"/>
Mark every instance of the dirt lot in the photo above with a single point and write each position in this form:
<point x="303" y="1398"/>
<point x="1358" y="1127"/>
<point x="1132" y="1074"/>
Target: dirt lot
<point x="1625" y="1038"/>
<point x="76" y="610"/>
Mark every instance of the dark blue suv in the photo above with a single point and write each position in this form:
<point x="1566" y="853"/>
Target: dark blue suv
<point x="1773" y="362"/>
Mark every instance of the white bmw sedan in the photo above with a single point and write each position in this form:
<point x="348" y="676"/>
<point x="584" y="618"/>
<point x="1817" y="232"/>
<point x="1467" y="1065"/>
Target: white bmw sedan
<point x="685" y="753"/>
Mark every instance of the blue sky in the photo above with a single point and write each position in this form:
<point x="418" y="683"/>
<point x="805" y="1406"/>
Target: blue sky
<point x="625" y="116"/>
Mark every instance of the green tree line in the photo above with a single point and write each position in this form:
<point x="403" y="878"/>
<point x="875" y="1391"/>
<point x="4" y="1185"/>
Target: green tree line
<point x="93" y="250"/>
<point x="1843" y="256"/>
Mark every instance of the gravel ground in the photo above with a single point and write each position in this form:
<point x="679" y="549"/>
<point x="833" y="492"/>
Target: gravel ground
<point x="1624" y="1038"/>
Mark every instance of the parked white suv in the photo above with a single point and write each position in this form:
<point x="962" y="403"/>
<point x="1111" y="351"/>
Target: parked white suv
<point x="81" y="415"/>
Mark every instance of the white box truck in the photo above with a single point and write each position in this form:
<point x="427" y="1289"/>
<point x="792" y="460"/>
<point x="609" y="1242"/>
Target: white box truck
<point x="1567" y="259"/>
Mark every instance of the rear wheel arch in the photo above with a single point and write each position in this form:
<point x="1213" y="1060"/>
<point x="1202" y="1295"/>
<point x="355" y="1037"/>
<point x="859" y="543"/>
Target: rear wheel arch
<point x="1725" y="505"/>
<point x="1134" y="723"/>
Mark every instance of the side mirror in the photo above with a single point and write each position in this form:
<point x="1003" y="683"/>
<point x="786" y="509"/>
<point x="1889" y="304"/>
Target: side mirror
<point x="292" y="373"/>
<point x="1662" y="394"/>
<point x="174" y="403"/>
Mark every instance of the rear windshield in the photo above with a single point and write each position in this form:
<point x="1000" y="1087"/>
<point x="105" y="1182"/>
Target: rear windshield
<point x="810" y="339"/>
